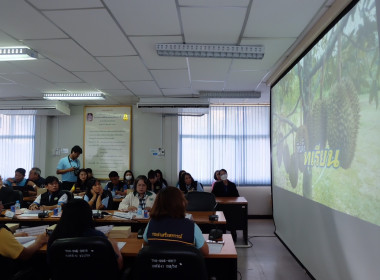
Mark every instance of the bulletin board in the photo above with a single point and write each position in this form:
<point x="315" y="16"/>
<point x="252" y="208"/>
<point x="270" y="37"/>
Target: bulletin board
<point x="107" y="139"/>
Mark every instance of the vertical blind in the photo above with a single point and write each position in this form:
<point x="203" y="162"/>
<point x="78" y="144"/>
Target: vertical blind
<point x="236" y="138"/>
<point x="16" y="143"/>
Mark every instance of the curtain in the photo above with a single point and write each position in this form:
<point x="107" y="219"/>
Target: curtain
<point x="16" y="143"/>
<point x="236" y="138"/>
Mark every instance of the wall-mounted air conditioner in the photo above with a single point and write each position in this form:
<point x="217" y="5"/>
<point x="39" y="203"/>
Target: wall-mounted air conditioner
<point x="35" y="107"/>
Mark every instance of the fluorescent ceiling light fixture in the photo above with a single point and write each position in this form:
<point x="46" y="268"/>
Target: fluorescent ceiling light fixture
<point x="17" y="53"/>
<point x="216" y="51"/>
<point x="75" y="96"/>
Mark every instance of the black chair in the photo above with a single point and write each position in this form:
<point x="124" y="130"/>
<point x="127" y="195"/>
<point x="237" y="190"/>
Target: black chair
<point x="83" y="258"/>
<point x="169" y="263"/>
<point x="200" y="201"/>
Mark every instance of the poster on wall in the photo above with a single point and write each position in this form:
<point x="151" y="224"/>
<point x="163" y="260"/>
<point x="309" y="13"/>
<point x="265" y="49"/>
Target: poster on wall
<point x="107" y="139"/>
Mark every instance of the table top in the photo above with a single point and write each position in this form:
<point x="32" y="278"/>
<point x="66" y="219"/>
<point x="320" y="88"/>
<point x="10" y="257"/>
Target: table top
<point x="133" y="246"/>
<point x="199" y="217"/>
<point x="231" y="200"/>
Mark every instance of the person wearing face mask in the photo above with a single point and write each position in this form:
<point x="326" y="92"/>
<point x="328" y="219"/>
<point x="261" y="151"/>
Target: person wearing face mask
<point x="129" y="179"/>
<point x="225" y="188"/>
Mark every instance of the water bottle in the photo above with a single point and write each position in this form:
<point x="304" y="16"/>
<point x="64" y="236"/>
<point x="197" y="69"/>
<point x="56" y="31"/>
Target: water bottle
<point x="17" y="207"/>
<point x="139" y="211"/>
<point x="59" y="207"/>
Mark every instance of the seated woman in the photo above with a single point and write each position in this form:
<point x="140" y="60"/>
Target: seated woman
<point x="224" y="188"/>
<point x="180" y="177"/>
<point x="76" y="221"/>
<point x="98" y="198"/>
<point x="129" y="180"/>
<point x="168" y="225"/>
<point x="189" y="185"/>
<point x="216" y="178"/>
<point x="139" y="196"/>
<point x="82" y="184"/>
<point x="160" y="177"/>
<point x="50" y="199"/>
<point x="154" y="185"/>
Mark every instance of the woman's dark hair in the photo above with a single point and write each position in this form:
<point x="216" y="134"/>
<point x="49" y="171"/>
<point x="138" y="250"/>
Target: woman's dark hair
<point x="92" y="183"/>
<point x="132" y="180"/>
<point x="152" y="174"/>
<point x="223" y="170"/>
<point x="76" y="218"/>
<point x="170" y="202"/>
<point x="180" y="173"/>
<point x="51" y="179"/>
<point x="182" y="184"/>
<point x="145" y="179"/>
<point x="79" y="185"/>
<point x="216" y="171"/>
<point x="162" y="180"/>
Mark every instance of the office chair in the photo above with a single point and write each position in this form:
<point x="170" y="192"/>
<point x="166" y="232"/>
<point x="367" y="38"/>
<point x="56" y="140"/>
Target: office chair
<point x="200" y="201"/>
<point x="8" y="196"/>
<point x="169" y="263"/>
<point x="83" y="258"/>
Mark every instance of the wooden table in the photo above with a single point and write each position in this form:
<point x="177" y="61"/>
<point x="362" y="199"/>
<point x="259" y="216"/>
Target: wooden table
<point x="235" y="210"/>
<point x="201" y="218"/>
<point x="222" y="265"/>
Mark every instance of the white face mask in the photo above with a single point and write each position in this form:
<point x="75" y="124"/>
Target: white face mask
<point x="129" y="177"/>
<point x="223" y="177"/>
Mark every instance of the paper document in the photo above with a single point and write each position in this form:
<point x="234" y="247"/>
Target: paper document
<point x="215" y="248"/>
<point x="33" y="230"/>
<point x="125" y="215"/>
<point x="25" y="240"/>
<point x="121" y="244"/>
<point x="105" y="229"/>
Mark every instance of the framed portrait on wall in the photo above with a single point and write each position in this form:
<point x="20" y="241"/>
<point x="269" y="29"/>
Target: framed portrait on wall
<point x="107" y="139"/>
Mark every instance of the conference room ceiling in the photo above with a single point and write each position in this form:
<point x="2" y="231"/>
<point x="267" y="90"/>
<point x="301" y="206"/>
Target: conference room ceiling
<point x="109" y="46"/>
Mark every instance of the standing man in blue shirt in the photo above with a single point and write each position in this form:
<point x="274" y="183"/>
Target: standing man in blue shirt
<point x="69" y="167"/>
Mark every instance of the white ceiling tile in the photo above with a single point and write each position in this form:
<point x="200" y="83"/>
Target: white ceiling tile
<point x="144" y="88"/>
<point x="66" y="4"/>
<point x="274" y="48"/>
<point x="177" y="91"/>
<point x="76" y="87"/>
<point x="287" y="19"/>
<point x="13" y="19"/>
<point x="29" y="80"/>
<point x="203" y="85"/>
<point x="223" y="25"/>
<point x="100" y="80"/>
<point x="17" y="91"/>
<point x="244" y="80"/>
<point x="147" y="50"/>
<point x="118" y="92"/>
<point x="47" y="70"/>
<point x="214" y="3"/>
<point x="5" y="81"/>
<point x="7" y="41"/>
<point x="209" y="69"/>
<point x="146" y="17"/>
<point x="8" y="67"/>
<point x="129" y="68"/>
<point x="66" y="53"/>
<point x="171" y="78"/>
<point x="87" y="26"/>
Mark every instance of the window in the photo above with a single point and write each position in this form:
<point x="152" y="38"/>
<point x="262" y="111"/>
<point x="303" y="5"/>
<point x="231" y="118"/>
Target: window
<point x="16" y="143"/>
<point x="235" y="138"/>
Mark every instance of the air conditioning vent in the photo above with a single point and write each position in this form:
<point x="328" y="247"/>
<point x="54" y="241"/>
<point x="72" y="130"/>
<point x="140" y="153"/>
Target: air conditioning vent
<point x="174" y="106"/>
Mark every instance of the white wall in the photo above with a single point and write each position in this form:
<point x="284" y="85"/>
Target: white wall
<point x="148" y="131"/>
